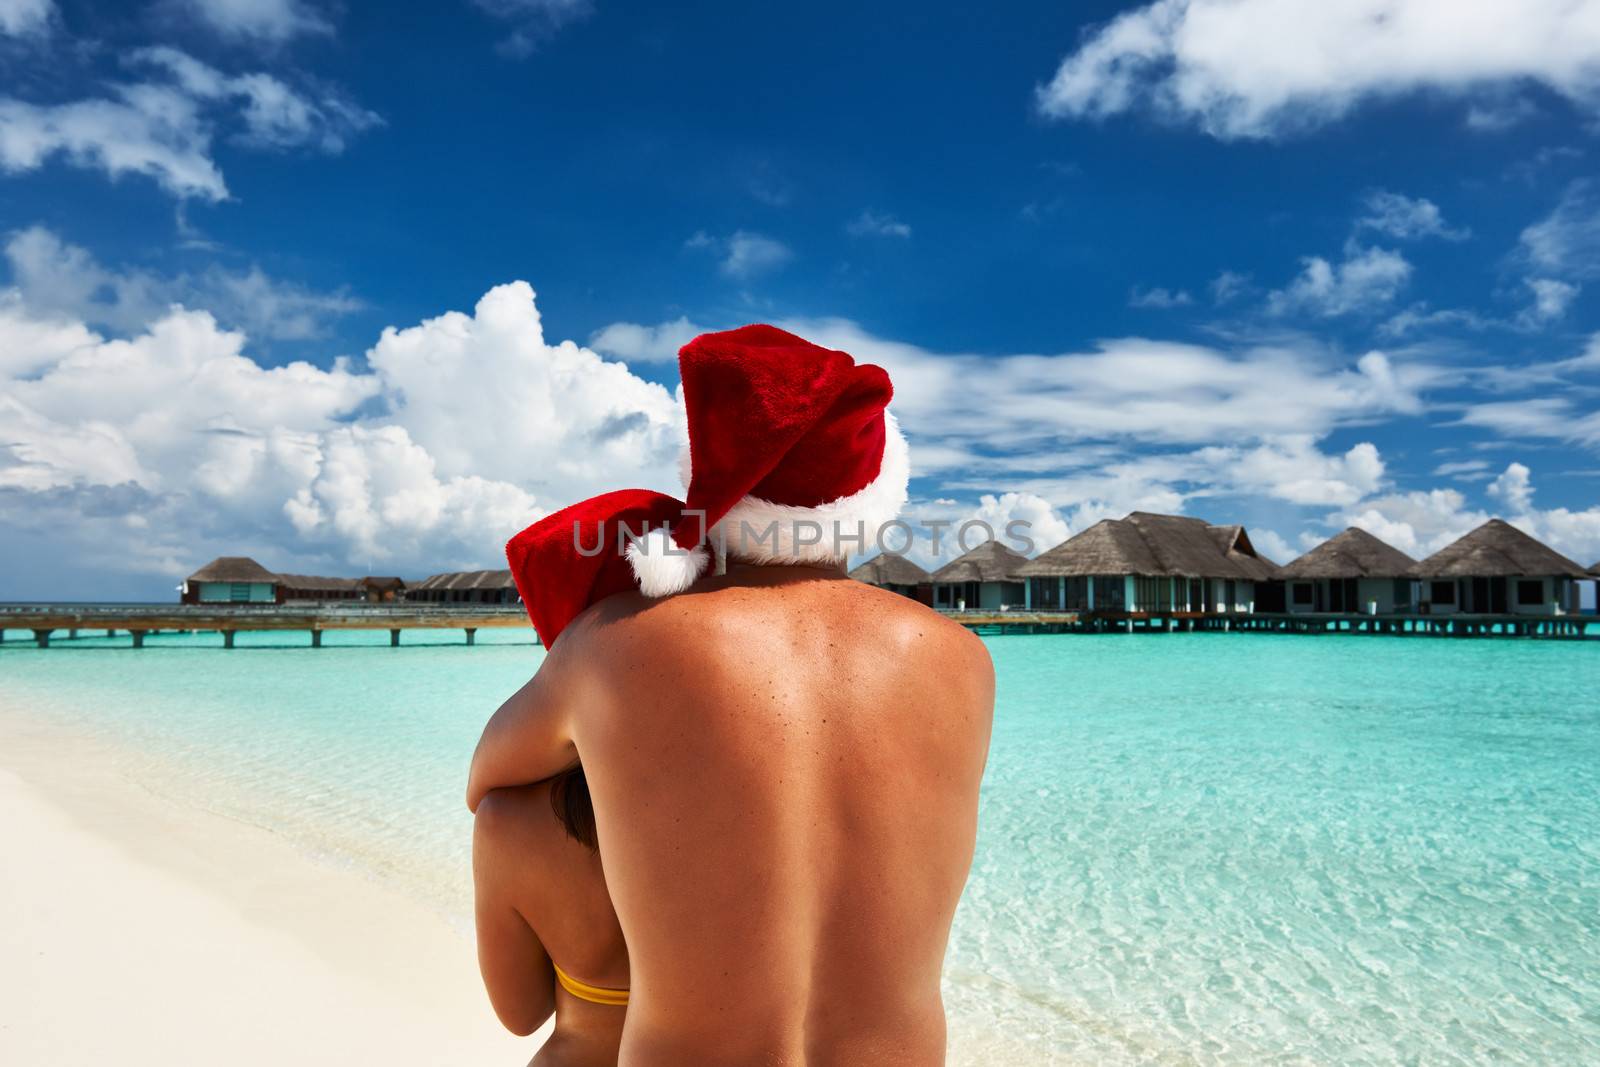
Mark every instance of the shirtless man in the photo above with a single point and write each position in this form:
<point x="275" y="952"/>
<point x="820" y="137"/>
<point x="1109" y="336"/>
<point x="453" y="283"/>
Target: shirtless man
<point x="784" y="763"/>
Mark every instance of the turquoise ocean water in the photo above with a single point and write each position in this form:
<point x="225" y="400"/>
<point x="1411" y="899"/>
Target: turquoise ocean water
<point x="1206" y="848"/>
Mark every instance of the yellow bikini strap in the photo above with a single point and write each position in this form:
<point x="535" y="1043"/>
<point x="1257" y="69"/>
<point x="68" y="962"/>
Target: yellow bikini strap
<point x="594" y="994"/>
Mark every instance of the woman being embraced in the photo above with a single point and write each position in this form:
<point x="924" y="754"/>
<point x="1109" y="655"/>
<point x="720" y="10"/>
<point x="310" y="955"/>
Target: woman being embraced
<point x="548" y="938"/>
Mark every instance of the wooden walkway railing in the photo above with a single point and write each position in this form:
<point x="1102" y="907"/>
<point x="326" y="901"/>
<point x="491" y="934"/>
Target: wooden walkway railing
<point x="43" y="620"/>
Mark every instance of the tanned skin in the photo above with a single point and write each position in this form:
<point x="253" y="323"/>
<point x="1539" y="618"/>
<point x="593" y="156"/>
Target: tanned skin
<point x="785" y="767"/>
<point x="541" y="895"/>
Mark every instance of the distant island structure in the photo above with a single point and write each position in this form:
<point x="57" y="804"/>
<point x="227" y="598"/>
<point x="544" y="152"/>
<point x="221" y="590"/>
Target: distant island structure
<point x="1152" y="571"/>
<point x="241" y="580"/>
<point x="1149" y="563"/>
<point x="1145" y="572"/>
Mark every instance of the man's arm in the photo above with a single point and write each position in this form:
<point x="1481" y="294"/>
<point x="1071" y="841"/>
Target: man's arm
<point x="528" y="740"/>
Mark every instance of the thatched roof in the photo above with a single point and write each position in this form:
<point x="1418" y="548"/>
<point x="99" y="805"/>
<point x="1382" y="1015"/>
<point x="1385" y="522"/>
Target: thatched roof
<point x="467" y="580"/>
<point x="382" y="582"/>
<point x="233" y="569"/>
<point x="1151" y="545"/>
<point x="1352" y="554"/>
<point x="890" y="568"/>
<point x="1497" y="550"/>
<point x="989" y="562"/>
<point x="315" y="582"/>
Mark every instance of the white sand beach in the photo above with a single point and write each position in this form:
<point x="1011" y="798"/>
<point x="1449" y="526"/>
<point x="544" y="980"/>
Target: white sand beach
<point x="134" y="931"/>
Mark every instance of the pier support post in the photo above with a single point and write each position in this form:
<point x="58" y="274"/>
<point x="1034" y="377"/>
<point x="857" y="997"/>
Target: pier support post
<point x="394" y="638"/>
<point x="316" y="638"/>
<point x="111" y="633"/>
<point x="138" y="638"/>
<point x="42" y="637"/>
<point x="472" y="635"/>
<point x="227" y="639"/>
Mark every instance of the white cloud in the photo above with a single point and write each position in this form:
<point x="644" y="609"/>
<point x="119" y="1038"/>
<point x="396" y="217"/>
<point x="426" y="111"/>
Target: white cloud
<point x="163" y="130"/>
<point x="274" y="115"/>
<point x="1159" y="298"/>
<point x="56" y="278"/>
<point x="1567" y="240"/>
<point x="141" y="129"/>
<point x="1044" y="408"/>
<point x="1514" y="489"/>
<point x="1228" y="286"/>
<point x="744" y="255"/>
<point x="464" y="427"/>
<point x="1551" y="298"/>
<point x="1292" y="468"/>
<point x="1264" y="68"/>
<point x="533" y="21"/>
<point x="26" y="18"/>
<point x="645" y="344"/>
<point x="1406" y="218"/>
<point x="1421" y="523"/>
<point x="1499" y="115"/>
<point x="1041" y="524"/>
<point x="874" y="224"/>
<point x="269" y="21"/>
<point x="1365" y="280"/>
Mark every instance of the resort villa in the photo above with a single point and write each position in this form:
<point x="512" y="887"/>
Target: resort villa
<point x="231" y="580"/>
<point x="1498" y="570"/>
<point x="465" y="587"/>
<point x="984" y="579"/>
<point x="1148" y="563"/>
<point x="1353" y="572"/>
<point x="896" y="573"/>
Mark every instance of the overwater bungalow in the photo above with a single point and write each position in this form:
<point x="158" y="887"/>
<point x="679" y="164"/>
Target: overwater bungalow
<point x="984" y="579"/>
<point x="317" y="589"/>
<point x="1354" y="572"/>
<point x="896" y="573"/>
<point x="231" y="580"/>
<point x="1149" y="563"/>
<point x="1498" y="570"/>
<point x="465" y="587"/>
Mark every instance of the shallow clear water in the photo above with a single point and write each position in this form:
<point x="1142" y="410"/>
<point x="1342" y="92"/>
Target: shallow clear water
<point x="1206" y="848"/>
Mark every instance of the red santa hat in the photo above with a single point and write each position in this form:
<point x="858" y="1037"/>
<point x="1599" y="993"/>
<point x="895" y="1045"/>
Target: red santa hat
<point x="576" y="557"/>
<point x="793" y="456"/>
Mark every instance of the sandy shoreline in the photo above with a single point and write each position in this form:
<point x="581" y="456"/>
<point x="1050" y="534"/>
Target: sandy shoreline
<point x="139" y="931"/>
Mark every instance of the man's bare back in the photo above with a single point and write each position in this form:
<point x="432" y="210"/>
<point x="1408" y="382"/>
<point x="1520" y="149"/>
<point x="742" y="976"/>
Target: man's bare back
<point x="785" y="767"/>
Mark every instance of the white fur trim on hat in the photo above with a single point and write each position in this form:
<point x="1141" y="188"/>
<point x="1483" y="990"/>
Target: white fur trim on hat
<point x="661" y="567"/>
<point x="862" y="512"/>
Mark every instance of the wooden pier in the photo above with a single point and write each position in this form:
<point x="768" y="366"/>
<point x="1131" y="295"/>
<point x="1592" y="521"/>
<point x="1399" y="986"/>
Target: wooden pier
<point x="1550" y="627"/>
<point x="139" y="621"/>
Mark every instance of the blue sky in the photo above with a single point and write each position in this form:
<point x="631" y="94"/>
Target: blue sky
<point x="1254" y="260"/>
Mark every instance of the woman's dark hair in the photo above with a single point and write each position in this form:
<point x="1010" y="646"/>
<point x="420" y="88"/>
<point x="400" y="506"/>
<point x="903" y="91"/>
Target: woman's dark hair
<point x="569" y="798"/>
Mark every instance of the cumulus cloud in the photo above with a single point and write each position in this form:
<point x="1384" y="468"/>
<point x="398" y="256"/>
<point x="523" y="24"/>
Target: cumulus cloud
<point x="1203" y="61"/>
<point x="163" y="129"/>
<point x="268" y="21"/>
<point x="1365" y="280"/>
<point x="56" y="278"/>
<point x="743" y="255"/>
<point x="26" y="18"/>
<point x="1423" y="522"/>
<point x="1036" y="519"/>
<point x="456" y="432"/>
<point x="1406" y="218"/>
<point x="875" y="224"/>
